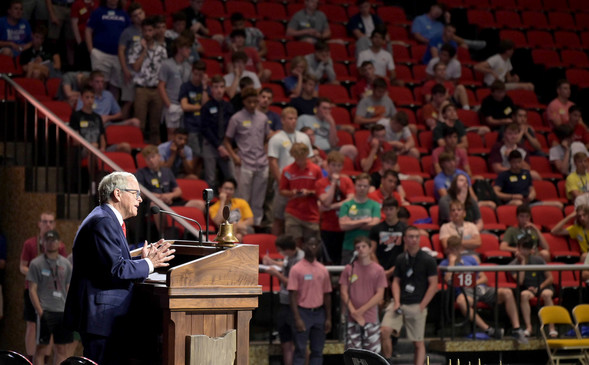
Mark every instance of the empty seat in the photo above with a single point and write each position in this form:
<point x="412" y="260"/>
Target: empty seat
<point x="272" y="11"/>
<point x="271" y="29"/>
<point x="518" y="38"/>
<point x="246" y="8"/>
<point x="546" y="191"/>
<point x="298" y="48"/>
<point x="337" y="13"/>
<point x="123" y="160"/>
<point x="337" y="93"/>
<point x="546" y="216"/>
<point x="547" y="57"/>
<point x="214" y="9"/>
<point x="508" y="19"/>
<point x="540" y="39"/>
<point x="561" y="20"/>
<point x="578" y="77"/>
<point x="535" y="19"/>
<point x="116" y="134"/>
<point x="525" y="98"/>
<point x="481" y="18"/>
<point x="275" y="51"/>
<point x="192" y="188"/>
<point x="393" y="15"/>
<point x="574" y="58"/>
<point x="567" y="39"/>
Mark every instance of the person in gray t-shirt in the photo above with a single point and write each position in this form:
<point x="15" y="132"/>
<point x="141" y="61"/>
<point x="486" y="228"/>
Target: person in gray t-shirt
<point x="375" y="107"/>
<point x="309" y="24"/>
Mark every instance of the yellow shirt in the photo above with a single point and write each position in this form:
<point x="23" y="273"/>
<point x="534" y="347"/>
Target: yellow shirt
<point x="579" y="234"/>
<point x="576" y="182"/>
<point x="240" y="210"/>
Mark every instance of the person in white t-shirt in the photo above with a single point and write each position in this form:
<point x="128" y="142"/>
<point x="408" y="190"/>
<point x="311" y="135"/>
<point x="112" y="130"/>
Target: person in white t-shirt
<point x="498" y="67"/>
<point x="384" y="66"/>
<point x="446" y="57"/>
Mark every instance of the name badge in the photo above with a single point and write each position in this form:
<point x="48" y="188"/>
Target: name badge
<point x="155" y="182"/>
<point x="513" y="178"/>
<point x="353" y="278"/>
<point x="409" y="288"/>
<point x="285" y="144"/>
<point x="247" y="123"/>
<point x="56" y="294"/>
<point x="308" y="277"/>
<point x="83" y="124"/>
<point x="507" y="110"/>
<point x="213" y="110"/>
<point x="409" y="273"/>
<point x="111" y="12"/>
<point x="83" y="11"/>
<point x="46" y="272"/>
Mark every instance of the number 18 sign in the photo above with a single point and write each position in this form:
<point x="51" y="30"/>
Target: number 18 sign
<point x="464" y="280"/>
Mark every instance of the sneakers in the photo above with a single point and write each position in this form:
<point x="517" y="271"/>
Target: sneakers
<point x="520" y="336"/>
<point x="495" y="332"/>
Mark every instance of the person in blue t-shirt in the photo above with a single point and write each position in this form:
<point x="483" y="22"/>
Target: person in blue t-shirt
<point x="426" y="26"/>
<point x="435" y="44"/>
<point x="443" y="180"/>
<point x="193" y="95"/>
<point x="105" y="26"/>
<point x="15" y="32"/>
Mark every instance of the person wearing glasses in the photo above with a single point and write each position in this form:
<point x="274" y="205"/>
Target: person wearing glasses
<point x="104" y="272"/>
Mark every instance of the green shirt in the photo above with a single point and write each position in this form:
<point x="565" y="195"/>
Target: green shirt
<point x="356" y="211"/>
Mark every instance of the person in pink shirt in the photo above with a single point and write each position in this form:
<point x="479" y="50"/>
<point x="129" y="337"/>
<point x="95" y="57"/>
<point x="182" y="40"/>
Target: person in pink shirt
<point x="450" y="145"/>
<point x="557" y="112"/>
<point x="363" y="283"/>
<point x="309" y="287"/>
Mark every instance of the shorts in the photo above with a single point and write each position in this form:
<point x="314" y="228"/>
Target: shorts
<point x="172" y="116"/>
<point x="278" y="203"/>
<point x="29" y="311"/>
<point x="284" y="323"/>
<point x="51" y="323"/>
<point x="365" y="337"/>
<point x="298" y="228"/>
<point x="63" y="15"/>
<point x="485" y="294"/>
<point x="411" y="318"/>
<point x="109" y="65"/>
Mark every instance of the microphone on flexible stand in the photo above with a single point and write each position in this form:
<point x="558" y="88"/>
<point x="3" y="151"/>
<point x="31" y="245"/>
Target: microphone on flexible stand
<point x="156" y="210"/>
<point x="354" y="257"/>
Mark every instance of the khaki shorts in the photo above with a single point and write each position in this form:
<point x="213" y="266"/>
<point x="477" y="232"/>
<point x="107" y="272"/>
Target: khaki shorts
<point x="298" y="228"/>
<point x="412" y="319"/>
<point x="109" y="65"/>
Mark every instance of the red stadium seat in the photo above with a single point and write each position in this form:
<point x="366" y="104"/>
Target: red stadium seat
<point x="542" y="166"/>
<point x="246" y="8"/>
<point x="469" y="118"/>
<point x="213" y="67"/>
<point x="398" y="33"/>
<point x="344" y="138"/>
<point x="475" y="144"/>
<point x="506" y="215"/>
<point x="152" y="7"/>
<point x="508" y="19"/>
<point x="341" y="115"/>
<point x="556" y="5"/>
<point x="525" y="98"/>
<point x="540" y="39"/>
<point x="298" y="48"/>
<point x="292" y="8"/>
<point x="401" y="54"/>
<point x="546" y="191"/>
<point x="478" y="166"/>
<point x="268" y="282"/>
<point x="535" y="20"/>
<point x="582" y="20"/>
<point x="410" y="165"/>
<point x="561" y="20"/>
<point x="547" y="57"/>
<point x="337" y="93"/>
<point x="490" y="220"/>
<point x="124" y="160"/>
<point x="272" y="29"/>
<point x="339" y="52"/>
<point x="481" y="18"/>
<point x="276" y="51"/>
<point x="393" y="15"/>
<point x="277" y="91"/>
<point x="272" y="11"/>
<point x="567" y="39"/>
<point x="504" y="4"/>
<point x="62" y="109"/>
<point x="175" y="6"/>
<point x="337" y="13"/>
<point x="546" y="216"/>
<point x="214" y="9"/>
<point x="417" y="212"/>
<point x="417" y="53"/>
<point x="419" y="73"/>
<point x="560" y="249"/>
<point x="490" y="251"/>
<point x="518" y="37"/>
<point x="212" y="48"/>
<point x="402" y="96"/>
<point x="578" y="77"/>
<point x="266" y="242"/>
<point x="276" y="68"/>
<point x="530" y="5"/>
<point x="574" y="58"/>
<point x="426" y="140"/>
<point x="192" y="188"/>
<point x="116" y="134"/>
<point x="579" y="5"/>
<point x="415" y="194"/>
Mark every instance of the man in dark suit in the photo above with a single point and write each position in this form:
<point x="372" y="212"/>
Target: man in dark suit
<point x="104" y="272"/>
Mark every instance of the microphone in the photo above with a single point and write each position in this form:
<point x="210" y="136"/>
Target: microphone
<point x="156" y="210"/>
<point x="354" y="257"/>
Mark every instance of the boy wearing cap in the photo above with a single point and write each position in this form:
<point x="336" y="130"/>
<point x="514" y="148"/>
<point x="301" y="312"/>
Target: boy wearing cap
<point x="49" y="277"/>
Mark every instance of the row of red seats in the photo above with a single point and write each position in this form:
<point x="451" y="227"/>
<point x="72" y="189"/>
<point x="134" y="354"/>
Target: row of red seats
<point x="537" y="5"/>
<point x="553" y="20"/>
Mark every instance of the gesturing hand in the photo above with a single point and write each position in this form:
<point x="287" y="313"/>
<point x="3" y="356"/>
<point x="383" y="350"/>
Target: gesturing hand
<point x="158" y="253"/>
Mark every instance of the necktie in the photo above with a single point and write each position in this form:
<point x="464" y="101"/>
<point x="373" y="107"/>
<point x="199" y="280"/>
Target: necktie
<point x="124" y="226"/>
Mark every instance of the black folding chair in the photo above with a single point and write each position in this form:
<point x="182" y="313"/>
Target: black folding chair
<point x="8" y="357"/>
<point x="363" y="357"/>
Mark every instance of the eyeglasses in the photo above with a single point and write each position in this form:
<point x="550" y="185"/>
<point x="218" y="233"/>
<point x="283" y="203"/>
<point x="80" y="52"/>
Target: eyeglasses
<point x="137" y="192"/>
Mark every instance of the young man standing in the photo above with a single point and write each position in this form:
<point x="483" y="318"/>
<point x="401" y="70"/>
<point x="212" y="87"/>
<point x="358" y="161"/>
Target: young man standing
<point x="265" y="100"/>
<point x="363" y="283"/>
<point x="309" y="286"/>
<point x="387" y="238"/>
<point x="174" y="72"/>
<point x="215" y="115"/>
<point x="249" y="129"/>
<point x="192" y="96"/>
<point x="49" y="277"/>
<point x="297" y="183"/>
<point x="357" y="216"/>
<point x="32" y="248"/>
<point x="415" y="282"/>
<point x="279" y="157"/>
<point x="332" y="191"/>
<point x="145" y="58"/>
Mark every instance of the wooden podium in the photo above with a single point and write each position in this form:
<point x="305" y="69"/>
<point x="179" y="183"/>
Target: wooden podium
<point x="207" y="291"/>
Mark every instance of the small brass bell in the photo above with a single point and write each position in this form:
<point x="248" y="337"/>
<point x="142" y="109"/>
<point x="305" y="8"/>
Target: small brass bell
<point x="225" y="236"/>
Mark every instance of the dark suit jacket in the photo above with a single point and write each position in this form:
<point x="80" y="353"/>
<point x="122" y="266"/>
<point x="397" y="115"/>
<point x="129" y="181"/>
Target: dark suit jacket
<point x="103" y="276"/>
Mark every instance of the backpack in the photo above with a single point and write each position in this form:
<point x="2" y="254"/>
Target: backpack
<point x="484" y="191"/>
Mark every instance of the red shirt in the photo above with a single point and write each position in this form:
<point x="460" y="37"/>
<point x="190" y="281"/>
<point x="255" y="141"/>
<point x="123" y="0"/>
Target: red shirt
<point x="305" y="207"/>
<point x="364" y="151"/>
<point x="329" y="218"/>
<point x="378" y="197"/>
<point x="82" y="11"/>
<point x="31" y="249"/>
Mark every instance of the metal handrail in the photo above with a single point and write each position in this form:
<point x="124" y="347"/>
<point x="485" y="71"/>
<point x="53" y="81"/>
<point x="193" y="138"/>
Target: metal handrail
<point x="81" y="141"/>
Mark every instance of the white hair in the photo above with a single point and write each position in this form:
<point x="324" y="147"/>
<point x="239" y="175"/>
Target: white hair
<point x="112" y="181"/>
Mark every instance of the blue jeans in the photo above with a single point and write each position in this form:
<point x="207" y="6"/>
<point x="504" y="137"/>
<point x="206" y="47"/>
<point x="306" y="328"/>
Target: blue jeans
<point x="314" y="332"/>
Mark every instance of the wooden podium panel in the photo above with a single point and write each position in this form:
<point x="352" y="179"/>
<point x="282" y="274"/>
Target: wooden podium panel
<point x="207" y="291"/>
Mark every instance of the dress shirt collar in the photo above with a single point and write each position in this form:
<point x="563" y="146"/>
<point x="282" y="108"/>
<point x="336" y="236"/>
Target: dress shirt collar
<point x="117" y="214"/>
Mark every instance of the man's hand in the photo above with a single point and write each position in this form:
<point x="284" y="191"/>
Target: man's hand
<point x="237" y="161"/>
<point x="159" y="253"/>
<point x="300" y="325"/>
<point x="358" y="317"/>
<point x="327" y="325"/>
<point x="374" y="143"/>
<point x="223" y="152"/>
